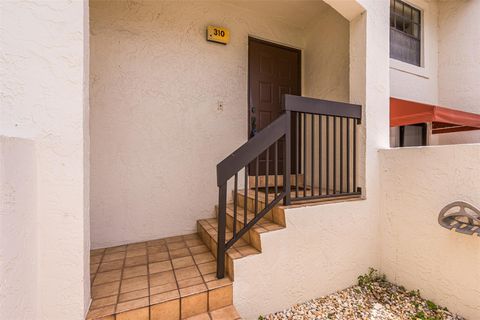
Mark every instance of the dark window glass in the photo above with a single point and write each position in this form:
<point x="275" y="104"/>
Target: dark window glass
<point x="405" y="28"/>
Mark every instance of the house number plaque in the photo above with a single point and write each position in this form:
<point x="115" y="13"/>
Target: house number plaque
<point x="218" y="34"/>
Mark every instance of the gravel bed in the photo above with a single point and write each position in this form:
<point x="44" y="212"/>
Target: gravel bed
<point x="377" y="299"/>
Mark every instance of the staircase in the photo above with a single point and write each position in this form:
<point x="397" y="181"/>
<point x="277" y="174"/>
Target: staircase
<point x="190" y="276"/>
<point x="174" y="278"/>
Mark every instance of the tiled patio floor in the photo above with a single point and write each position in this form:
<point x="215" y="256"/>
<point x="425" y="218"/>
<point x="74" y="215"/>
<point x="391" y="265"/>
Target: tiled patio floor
<point x="157" y="280"/>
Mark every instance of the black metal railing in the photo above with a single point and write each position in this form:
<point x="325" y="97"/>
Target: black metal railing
<point x="307" y="153"/>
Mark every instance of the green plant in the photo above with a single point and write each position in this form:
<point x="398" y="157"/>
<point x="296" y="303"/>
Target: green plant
<point x="372" y="276"/>
<point x="414" y="293"/>
<point x="432" y="306"/>
<point x="261" y="317"/>
<point x="421" y="316"/>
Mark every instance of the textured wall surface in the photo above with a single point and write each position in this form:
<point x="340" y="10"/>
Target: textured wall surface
<point x="459" y="62"/>
<point x="156" y="132"/>
<point x="419" y="83"/>
<point x="416" y="251"/>
<point x="42" y="71"/>
<point x="18" y="245"/>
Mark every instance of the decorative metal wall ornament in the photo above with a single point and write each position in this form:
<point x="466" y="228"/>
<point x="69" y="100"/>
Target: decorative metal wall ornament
<point x="461" y="216"/>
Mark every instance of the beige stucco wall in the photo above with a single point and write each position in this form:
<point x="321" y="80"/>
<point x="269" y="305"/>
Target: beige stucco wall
<point x="43" y="66"/>
<point x="459" y="63"/>
<point x="419" y="83"/>
<point x="157" y="134"/>
<point x="18" y="231"/>
<point x="416" y="251"/>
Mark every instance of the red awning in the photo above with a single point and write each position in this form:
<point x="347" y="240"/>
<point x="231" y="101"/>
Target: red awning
<point x="404" y="112"/>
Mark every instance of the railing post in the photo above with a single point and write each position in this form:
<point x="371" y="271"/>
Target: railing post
<point x="222" y="217"/>
<point x="287" y="157"/>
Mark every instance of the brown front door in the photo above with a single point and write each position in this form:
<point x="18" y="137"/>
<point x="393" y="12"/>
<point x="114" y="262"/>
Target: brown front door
<point x="273" y="71"/>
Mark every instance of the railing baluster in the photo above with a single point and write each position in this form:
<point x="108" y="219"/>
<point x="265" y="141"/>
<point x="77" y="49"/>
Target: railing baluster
<point x="297" y="144"/>
<point x="313" y="156"/>
<point x="287" y="159"/>
<point x="267" y="156"/>
<point x="257" y="164"/>
<point x="235" y="188"/>
<point x="348" y="155"/>
<point x="354" y="157"/>
<point x="304" y="145"/>
<point x="320" y="154"/>
<point x="276" y="167"/>
<point x="222" y="217"/>
<point x="334" y="155"/>
<point x="245" y="197"/>
<point x="327" y="136"/>
<point x="341" y="155"/>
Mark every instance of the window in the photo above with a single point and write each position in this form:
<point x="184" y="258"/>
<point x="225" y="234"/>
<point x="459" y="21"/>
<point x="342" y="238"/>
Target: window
<point x="405" y="31"/>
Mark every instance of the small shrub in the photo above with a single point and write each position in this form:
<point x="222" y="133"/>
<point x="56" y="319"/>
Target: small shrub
<point x="372" y="276"/>
<point x="261" y="317"/>
<point x="432" y="306"/>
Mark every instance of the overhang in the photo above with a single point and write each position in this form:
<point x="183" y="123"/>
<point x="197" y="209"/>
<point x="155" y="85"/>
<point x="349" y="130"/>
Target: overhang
<point x="444" y="120"/>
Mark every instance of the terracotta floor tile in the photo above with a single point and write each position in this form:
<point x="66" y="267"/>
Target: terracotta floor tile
<point x="208" y="267"/>
<point x="105" y="290"/>
<point x="96" y="252"/>
<point x="166" y="296"/>
<point x="247" y="250"/>
<point x="188" y="291"/>
<point x="191" y="236"/>
<point x="209" y="277"/>
<point x="136" y="271"/>
<point x="171" y="286"/>
<point x="199" y="249"/>
<point x="227" y="313"/>
<point x="178" y="253"/>
<point x="103" y="302"/>
<point x="174" y="239"/>
<point x="157" y="242"/>
<point x="136" y="252"/>
<point x="190" y="282"/>
<point x="136" y="314"/>
<point x="202" y="316"/>
<point x="169" y="310"/>
<point x="176" y="245"/>
<point x="134" y="284"/>
<point x="186" y="273"/>
<point x="193" y="304"/>
<point x="108" y="266"/>
<point x="203" y="258"/>
<point x="217" y="283"/>
<point x="101" y="312"/>
<point x="138" y="245"/>
<point x="135" y="261"/>
<point x="160" y="266"/>
<point x="113" y="256"/>
<point x="182" y="262"/>
<point x="132" y="304"/>
<point x="137" y="294"/>
<point x="158" y="257"/>
<point x="193" y="242"/>
<point x="95" y="259"/>
<point x="115" y="249"/>
<point x="108" y="276"/>
<point x="94" y="267"/>
<point x="161" y="278"/>
<point x="157" y="249"/>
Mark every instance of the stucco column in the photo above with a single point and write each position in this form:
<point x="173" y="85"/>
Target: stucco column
<point x="44" y="72"/>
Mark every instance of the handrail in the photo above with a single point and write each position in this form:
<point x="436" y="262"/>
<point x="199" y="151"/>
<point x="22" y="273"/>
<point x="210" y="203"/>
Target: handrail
<point x="340" y="120"/>
<point x="251" y="149"/>
<point x="319" y="106"/>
